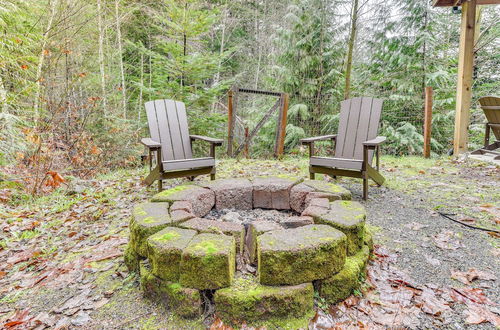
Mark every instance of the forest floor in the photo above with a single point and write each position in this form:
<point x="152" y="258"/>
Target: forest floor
<point x="61" y="259"/>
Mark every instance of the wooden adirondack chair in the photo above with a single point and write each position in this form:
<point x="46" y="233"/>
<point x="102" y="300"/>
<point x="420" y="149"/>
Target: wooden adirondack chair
<point x="355" y="143"/>
<point x="491" y="108"/>
<point x="171" y="142"/>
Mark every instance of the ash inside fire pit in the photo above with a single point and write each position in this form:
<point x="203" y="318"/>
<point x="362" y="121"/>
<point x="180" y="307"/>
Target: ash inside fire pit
<point x="245" y="217"/>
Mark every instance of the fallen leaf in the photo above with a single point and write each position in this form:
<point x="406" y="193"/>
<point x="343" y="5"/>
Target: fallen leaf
<point x="446" y="239"/>
<point x="494" y="234"/>
<point x="471" y="275"/>
<point x="431" y="304"/>
<point x="466" y="295"/>
<point x="476" y="314"/>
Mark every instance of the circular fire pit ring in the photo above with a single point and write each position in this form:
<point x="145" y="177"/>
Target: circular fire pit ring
<point x="258" y="247"/>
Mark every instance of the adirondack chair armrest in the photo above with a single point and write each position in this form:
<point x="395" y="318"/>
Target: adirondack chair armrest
<point x="318" y="138"/>
<point x="375" y="142"/>
<point x="217" y="142"/>
<point x="150" y="143"/>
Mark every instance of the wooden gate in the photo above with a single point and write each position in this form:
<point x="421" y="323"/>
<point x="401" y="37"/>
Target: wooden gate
<point x="281" y="104"/>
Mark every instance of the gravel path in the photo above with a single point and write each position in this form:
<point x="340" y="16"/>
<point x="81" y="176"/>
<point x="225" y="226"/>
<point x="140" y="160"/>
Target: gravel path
<point x="429" y="247"/>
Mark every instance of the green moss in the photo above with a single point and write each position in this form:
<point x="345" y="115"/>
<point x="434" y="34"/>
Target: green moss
<point x="208" y="247"/>
<point x="184" y="302"/>
<point x="327" y="187"/>
<point x="131" y="259"/>
<point x="165" y="250"/>
<point x="208" y="262"/>
<point x="148" y="220"/>
<point x="300" y="255"/>
<point x="341" y="285"/>
<point x="258" y="305"/>
<point x="142" y="226"/>
<point x="167" y="236"/>
<point x="348" y="217"/>
<point x="170" y="195"/>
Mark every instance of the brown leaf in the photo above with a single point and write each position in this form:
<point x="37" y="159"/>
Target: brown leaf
<point x="494" y="234"/>
<point x="23" y="256"/>
<point x="477" y="314"/>
<point x="19" y="317"/>
<point x="471" y="275"/>
<point x="446" y="240"/>
<point x="431" y="304"/>
<point x="467" y="295"/>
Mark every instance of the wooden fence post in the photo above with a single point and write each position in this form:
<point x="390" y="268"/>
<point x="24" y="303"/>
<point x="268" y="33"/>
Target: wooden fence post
<point x="246" y="142"/>
<point x="230" y="123"/>
<point x="427" y="122"/>
<point x="282" y="125"/>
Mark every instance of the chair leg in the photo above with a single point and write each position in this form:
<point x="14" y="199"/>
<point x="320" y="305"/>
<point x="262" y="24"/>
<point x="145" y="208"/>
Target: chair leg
<point x="212" y="174"/>
<point x="160" y="185"/>
<point x="365" y="187"/>
<point x="312" y="175"/>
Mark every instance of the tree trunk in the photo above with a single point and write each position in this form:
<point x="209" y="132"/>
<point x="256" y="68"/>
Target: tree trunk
<point x="350" y="49"/>
<point x="139" y="108"/>
<point x="41" y="60"/>
<point x="120" y="57"/>
<point x="101" y="57"/>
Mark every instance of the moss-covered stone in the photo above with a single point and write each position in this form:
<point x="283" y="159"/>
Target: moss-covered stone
<point x="341" y="285"/>
<point x="202" y="199"/>
<point x="255" y="229"/>
<point x="218" y="227"/>
<point x="368" y="239"/>
<point x="147" y="219"/>
<point x="300" y="255"/>
<point x="258" y="305"/>
<point x="330" y="188"/>
<point x="208" y="262"/>
<point x="348" y="217"/>
<point x="165" y="250"/>
<point x="131" y="259"/>
<point x="185" y="302"/>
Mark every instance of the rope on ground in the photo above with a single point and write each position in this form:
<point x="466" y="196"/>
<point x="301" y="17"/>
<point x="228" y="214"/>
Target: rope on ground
<point x="448" y="216"/>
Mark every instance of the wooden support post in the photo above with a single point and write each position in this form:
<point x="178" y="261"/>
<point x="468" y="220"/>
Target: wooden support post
<point x="427" y="122"/>
<point x="464" y="83"/>
<point x="230" y="121"/>
<point x="280" y="147"/>
<point x="246" y="142"/>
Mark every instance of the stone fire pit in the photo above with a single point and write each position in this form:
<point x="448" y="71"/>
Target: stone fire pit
<point x="256" y="249"/>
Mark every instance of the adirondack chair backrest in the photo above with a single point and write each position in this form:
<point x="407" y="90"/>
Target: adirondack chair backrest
<point x="359" y="122"/>
<point x="491" y="108"/>
<point x="168" y="125"/>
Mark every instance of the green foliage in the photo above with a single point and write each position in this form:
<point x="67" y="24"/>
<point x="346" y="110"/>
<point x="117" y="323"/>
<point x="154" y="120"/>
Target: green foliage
<point x="406" y="140"/>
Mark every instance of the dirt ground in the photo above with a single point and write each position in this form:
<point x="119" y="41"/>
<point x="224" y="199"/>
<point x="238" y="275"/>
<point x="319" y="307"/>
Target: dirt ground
<point x="61" y="259"/>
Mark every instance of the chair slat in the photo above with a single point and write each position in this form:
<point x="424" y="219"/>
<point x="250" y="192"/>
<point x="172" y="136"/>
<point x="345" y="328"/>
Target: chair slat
<point x="173" y="128"/>
<point x="152" y="121"/>
<point x="352" y="164"/>
<point x="351" y="129"/>
<point x="183" y="128"/>
<point x="344" y="117"/>
<point x="166" y="140"/>
<point x="186" y="164"/>
<point x="362" y="131"/>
